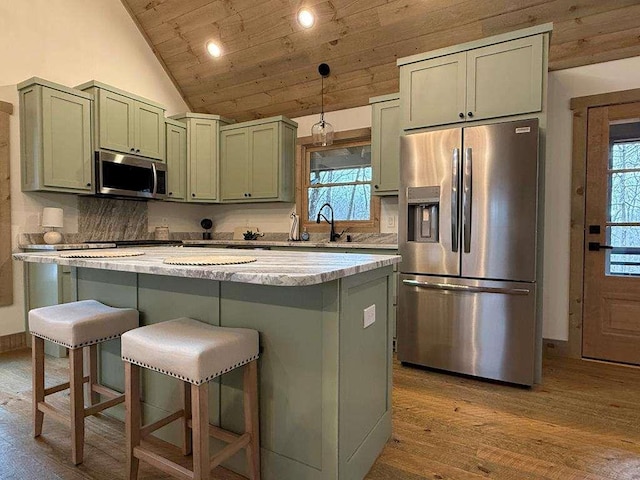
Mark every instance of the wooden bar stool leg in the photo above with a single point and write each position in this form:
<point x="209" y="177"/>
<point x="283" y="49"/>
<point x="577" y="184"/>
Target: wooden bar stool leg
<point x="200" y="423"/>
<point x="94" y="397"/>
<point x="251" y="419"/>
<point x="133" y="416"/>
<point x="186" y="431"/>
<point x="77" y="404"/>
<point x="37" y="360"/>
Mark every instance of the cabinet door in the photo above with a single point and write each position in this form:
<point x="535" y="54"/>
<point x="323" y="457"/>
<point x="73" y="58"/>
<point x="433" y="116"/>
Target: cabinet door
<point x="234" y="164"/>
<point x="176" y="162"/>
<point x="385" y="147"/>
<point x="66" y="142"/>
<point x="265" y="160"/>
<point x="432" y="92"/>
<point x="505" y="79"/>
<point x="149" y="131"/>
<point x="116" y="122"/>
<point x="203" y="160"/>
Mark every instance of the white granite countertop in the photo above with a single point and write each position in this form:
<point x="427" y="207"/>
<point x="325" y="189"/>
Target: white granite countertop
<point x="301" y="244"/>
<point x="280" y="268"/>
<point x="66" y="246"/>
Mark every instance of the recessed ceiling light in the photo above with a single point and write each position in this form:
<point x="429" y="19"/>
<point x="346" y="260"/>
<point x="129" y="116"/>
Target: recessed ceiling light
<point x="306" y="18"/>
<point x="214" y="49"/>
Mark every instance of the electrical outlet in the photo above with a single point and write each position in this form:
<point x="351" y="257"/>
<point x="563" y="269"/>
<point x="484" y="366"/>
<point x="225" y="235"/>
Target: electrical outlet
<point x="369" y="316"/>
<point x="391" y="221"/>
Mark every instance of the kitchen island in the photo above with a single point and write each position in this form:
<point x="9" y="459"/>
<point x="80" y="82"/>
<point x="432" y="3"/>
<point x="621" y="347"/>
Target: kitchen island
<point x="325" y="377"/>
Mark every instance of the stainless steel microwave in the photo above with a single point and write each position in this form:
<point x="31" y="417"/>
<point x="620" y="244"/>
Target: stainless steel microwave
<point x="129" y="176"/>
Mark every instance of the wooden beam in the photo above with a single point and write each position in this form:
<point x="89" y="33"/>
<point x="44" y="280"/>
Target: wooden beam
<point x="6" y="263"/>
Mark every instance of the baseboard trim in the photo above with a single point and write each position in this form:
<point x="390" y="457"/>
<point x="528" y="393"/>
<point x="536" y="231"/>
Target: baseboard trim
<point x="556" y="348"/>
<point x="15" y="341"/>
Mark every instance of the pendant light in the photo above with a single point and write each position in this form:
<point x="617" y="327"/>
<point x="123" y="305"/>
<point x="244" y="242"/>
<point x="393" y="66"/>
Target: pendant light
<point x="322" y="132"/>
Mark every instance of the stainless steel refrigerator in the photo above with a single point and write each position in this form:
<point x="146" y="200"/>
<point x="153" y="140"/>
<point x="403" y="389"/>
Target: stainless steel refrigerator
<point x="468" y="210"/>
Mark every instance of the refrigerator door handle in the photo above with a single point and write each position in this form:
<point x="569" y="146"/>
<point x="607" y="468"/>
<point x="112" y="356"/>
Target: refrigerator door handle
<point x="466" y="199"/>
<point x="455" y="169"/>
<point x="466" y="288"/>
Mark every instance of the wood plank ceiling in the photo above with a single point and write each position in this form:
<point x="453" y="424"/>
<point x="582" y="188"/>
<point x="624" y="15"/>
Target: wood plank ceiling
<point x="269" y="65"/>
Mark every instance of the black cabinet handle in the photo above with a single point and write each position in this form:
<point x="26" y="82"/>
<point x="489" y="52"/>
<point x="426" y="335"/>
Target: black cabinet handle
<point x="89" y="184"/>
<point x="461" y="115"/>
<point x="170" y="193"/>
<point x="193" y="194"/>
<point x="376" y="187"/>
<point x="133" y="149"/>
<point x="245" y="195"/>
<point x="470" y="114"/>
<point x="248" y="194"/>
<point x="137" y="150"/>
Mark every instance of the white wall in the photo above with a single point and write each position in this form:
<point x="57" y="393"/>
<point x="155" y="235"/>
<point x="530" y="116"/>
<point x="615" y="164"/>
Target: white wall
<point x="71" y="42"/>
<point x="564" y="85"/>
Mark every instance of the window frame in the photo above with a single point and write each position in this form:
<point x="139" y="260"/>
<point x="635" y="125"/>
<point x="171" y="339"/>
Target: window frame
<point x="305" y="145"/>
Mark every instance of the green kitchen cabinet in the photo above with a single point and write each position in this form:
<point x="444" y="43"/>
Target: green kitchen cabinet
<point x="257" y="160"/>
<point x="55" y="138"/>
<point x="48" y="284"/>
<point x="385" y="144"/>
<point x="127" y="123"/>
<point x="203" y="141"/>
<point x="496" y="77"/>
<point x="176" y="160"/>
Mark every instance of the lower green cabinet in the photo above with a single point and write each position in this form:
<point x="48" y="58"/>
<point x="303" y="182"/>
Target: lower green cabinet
<point x="48" y="284"/>
<point x="55" y="138"/>
<point x="257" y="161"/>
<point x="385" y="144"/>
<point x="176" y="133"/>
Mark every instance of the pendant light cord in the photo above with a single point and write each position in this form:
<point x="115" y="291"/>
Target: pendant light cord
<point x="322" y="100"/>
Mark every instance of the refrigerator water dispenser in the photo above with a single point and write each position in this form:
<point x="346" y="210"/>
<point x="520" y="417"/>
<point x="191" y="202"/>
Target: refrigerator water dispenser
<point x="423" y="204"/>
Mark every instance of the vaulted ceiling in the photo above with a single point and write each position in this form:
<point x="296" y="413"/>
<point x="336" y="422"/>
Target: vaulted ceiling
<point x="269" y="65"/>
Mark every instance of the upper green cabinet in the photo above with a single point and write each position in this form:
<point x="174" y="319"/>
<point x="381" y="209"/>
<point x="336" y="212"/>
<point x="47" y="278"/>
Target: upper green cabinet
<point x="127" y="123"/>
<point x="385" y="143"/>
<point x="203" y="141"/>
<point x="176" y="133"/>
<point x="55" y="138"/>
<point x="257" y="160"/>
<point x="495" y="77"/>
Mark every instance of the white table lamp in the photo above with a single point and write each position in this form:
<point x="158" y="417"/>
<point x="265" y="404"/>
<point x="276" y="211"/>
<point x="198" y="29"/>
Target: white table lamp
<point x="52" y="218"/>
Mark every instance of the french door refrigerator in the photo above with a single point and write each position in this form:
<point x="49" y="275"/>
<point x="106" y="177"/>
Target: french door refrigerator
<point x="467" y="233"/>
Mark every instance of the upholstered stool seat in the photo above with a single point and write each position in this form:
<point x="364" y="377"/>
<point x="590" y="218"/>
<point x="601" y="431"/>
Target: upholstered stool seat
<point x="195" y="353"/>
<point x="80" y="324"/>
<point x="75" y="325"/>
<point x="192" y="351"/>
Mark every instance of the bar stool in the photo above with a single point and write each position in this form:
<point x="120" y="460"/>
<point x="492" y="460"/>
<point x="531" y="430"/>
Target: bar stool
<point x="195" y="353"/>
<point x="75" y="325"/>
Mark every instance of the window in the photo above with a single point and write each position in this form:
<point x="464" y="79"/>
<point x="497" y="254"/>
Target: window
<point x="623" y="227"/>
<point x="341" y="175"/>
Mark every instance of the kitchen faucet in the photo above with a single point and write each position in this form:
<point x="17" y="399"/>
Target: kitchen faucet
<point x="333" y="236"/>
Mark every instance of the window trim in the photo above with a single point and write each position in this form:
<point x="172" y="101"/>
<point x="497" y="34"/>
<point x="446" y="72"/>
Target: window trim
<point x="344" y="138"/>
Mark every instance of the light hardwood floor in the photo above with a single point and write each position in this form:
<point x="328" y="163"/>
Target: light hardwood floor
<point x="582" y="423"/>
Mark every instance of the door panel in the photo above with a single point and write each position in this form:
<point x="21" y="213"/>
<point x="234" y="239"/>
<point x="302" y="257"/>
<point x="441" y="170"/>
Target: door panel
<point x="264" y="161"/>
<point x="203" y="160"/>
<point x="116" y="122"/>
<point x="436" y="91"/>
<point x="176" y="162"/>
<point x="499" y="190"/>
<point x="150" y="131"/>
<point x="427" y="161"/>
<point x="66" y="126"/>
<point x="505" y="79"/>
<point x="480" y="328"/>
<point x="234" y="162"/>
<point x="611" y="317"/>
<point x="385" y="146"/>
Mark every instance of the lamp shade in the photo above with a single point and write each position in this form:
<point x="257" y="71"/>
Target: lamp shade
<point x="52" y="217"/>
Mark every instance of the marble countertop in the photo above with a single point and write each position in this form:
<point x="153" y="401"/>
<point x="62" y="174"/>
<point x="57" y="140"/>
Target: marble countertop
<point x="298" y="244"/>
<point x="65" y="246"/>
<point x="282" y="268"/>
